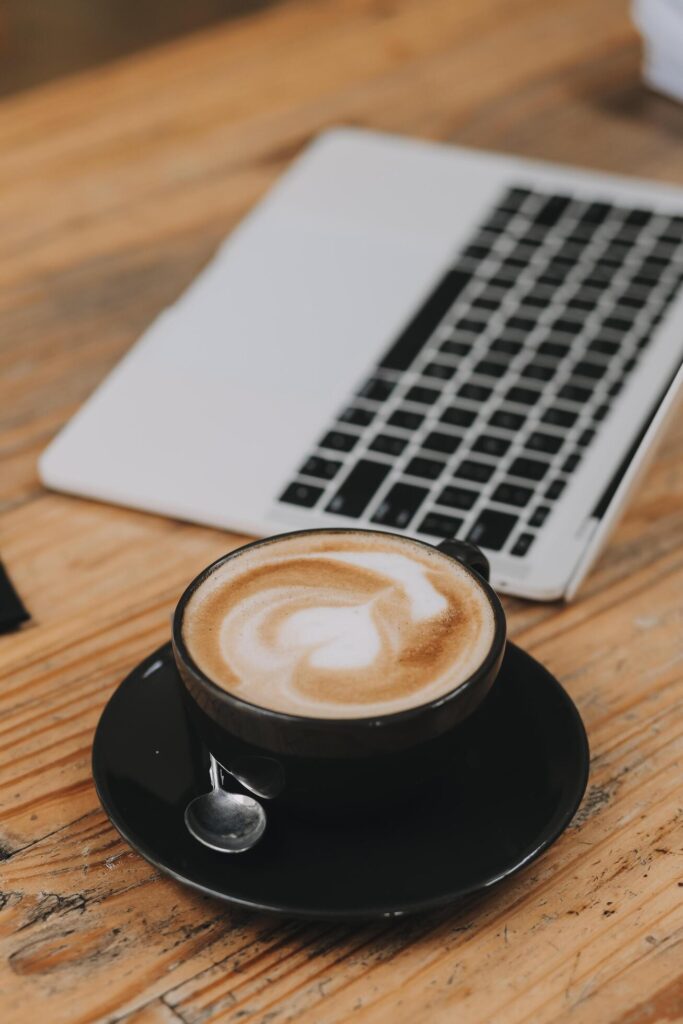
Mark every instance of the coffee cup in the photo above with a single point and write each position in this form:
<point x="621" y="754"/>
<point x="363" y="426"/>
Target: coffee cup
<point x="331" y="669"/>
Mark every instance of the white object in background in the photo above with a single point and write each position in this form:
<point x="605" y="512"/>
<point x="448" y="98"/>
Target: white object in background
<point x="661" y="25"/>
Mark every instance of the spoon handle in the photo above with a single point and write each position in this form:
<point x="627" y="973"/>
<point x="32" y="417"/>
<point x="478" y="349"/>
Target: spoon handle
<point x="214" y="772"/>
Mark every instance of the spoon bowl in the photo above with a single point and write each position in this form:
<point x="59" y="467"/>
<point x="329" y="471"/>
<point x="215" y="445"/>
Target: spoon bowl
<point x="223" y="821"/>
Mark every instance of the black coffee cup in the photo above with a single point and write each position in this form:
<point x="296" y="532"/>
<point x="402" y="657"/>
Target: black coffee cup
<point x="326" y="764"/>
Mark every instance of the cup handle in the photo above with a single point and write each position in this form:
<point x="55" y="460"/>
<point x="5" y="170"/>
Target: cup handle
<point x="468" y="554"/>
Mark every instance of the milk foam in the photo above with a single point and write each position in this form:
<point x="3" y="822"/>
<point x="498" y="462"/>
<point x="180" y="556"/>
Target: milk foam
<point x="339" y="625"/>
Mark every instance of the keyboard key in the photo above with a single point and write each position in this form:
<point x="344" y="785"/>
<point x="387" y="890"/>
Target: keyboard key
<point x="607" y="348"/>
<point x="498" y="220"/>
<point x="457" y="497"/>
<point x="565" y="326"/>
<point x="427" y="468"/>
<point x="559" y="417"/>
<point x="638" y="218"/>
<point x="507" y="420"/>
<point x="356" y="491"/>
<point x="648" y="274"/>
<point x="670" y="236"/>
<point x="425" y="396"/>
<point x="458" y="417"/>
<point x="574" y="393"/>
<point x="570" y="251"/>
<point x="552" y="275"/>
<point x="315" y="465"/>
<point x="357" y="416"/>
<point x="499" y="282"/>
<point x="511" y="494"/>
<point x="674" y="227"/>
<point x="571" y="462"/>
<point x="600" y="274"/>
<point x="593" y="370"/>
<point x="656" y="262"/>
<point x="616" y="251"/>
<point x="512" y="266"/>
<point x="388" y="444"/>
<point x="538" y="371"/>
<point x="523" y="396"/>
<point x="476" y="252"/>
<point x="553" y="349"/>
<point x="609" y="265"/>
<point x="489" y="369"/>
<point x="491" y="445"/>
<point x="406" y="419"/>
<point x="475" y="392"/>
<point x="645" y="280"/>
<point x="540" y="295"/>
<point x="521" y="323"/>
<point x="539" y="515"/>
<point x="586" y="437"/>
<point x="479" y="471"/>
<point x="485" y="302"/>
<point x="301" y="494"/>
<point x="580" y="236"/>
<point x="376" y="389"/>
<point x="582" y="304"/>
<point x="438" y="370"/>
<point x="522" y="251"/>
<point x="522" y="544"/>
<point x="339" y="441"/>
<point x="530" y="469"/>
<point x="601" y="412"/>
<point x="437" y="525"/>
<point x="555" y="489"/>
<point x="399" y="505"/>
<point x="617" y="323"/>
<point x="439" y="442"/>
<point x="537" y="301"/>
<point x="596" y="213"/>
<point x="506" y="345"/>
<point x="534" y="235"/>
<point x="589" y="294"/>
<point x="455" y="348"/>
<point x="492" y="529"/>
<point x="412" y="339"/>
<point x="540" y="442"/>
<point x="631" y="301"/>
<point x="560" y="265"/>
<point x="470" y="326"/>
<point x="551" y="211"/>
<point x="514" y="198"/>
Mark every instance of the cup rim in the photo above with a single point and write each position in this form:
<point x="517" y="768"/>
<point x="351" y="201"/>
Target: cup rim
<point x="181" y="650"/>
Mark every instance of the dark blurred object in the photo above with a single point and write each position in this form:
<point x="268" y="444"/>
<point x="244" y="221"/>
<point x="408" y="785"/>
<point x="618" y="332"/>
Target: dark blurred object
<point x="12" y="611"/>
<point x="43" y="39"/>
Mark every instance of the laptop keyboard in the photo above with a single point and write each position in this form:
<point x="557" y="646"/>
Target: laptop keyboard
<point x="474" y="420"/>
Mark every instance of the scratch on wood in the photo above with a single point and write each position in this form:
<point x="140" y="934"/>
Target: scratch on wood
<point x="50" y="903"/>
<point x="572" y="975"/>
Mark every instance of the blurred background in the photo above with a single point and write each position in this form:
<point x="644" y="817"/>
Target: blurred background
<point x="43" y="39"/>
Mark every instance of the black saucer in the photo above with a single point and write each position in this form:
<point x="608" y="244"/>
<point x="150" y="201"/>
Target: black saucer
<point x="518" y="774"/>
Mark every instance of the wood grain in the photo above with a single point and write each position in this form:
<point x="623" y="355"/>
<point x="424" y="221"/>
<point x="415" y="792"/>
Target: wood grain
<point x="115" y="188"/>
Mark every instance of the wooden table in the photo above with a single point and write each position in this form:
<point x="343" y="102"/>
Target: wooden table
<point x="115" y="188"/>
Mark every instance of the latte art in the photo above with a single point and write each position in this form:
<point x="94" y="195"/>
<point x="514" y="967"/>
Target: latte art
<point x="339" y="625"/>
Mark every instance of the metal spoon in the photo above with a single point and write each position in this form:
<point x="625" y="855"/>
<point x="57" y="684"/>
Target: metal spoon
<point x="227" y="822"/>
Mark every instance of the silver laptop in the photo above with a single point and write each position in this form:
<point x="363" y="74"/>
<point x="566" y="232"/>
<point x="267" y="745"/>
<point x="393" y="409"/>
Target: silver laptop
<point x="410" y="337"/>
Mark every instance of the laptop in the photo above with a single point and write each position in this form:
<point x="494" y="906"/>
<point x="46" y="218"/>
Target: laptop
<point x="410" y="337"/>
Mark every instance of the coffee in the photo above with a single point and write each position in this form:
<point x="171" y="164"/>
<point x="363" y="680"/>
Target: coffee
<point x="338" y="624"/>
